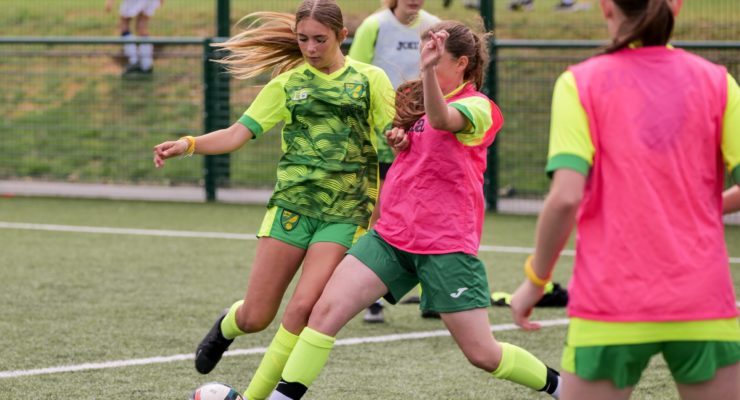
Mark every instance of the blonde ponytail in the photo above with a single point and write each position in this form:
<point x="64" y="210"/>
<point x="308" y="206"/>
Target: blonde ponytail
<point x="268" y="43"/>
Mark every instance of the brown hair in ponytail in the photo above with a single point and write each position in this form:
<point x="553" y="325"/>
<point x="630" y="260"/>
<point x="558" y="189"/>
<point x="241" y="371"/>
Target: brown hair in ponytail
<point x="461" y="42"/>
<point x="269" y="41"/>
<point x="648" y="21"/>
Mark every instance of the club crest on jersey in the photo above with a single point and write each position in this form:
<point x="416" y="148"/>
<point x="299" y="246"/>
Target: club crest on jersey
<point x="354" y="90"/>
<point x="298" y="95"/>
<point x="289" y="220"/>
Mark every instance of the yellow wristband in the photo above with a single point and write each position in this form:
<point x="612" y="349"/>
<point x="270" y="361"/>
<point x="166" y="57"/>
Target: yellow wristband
<point x="532" y="276"/>
<point x="191" y="145"/>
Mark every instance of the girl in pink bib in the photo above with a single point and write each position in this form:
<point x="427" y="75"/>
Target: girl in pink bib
<point x="638" y="140"/>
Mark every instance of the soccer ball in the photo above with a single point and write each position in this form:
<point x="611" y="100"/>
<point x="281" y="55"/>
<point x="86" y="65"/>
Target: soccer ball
<point x="215" y="391"/>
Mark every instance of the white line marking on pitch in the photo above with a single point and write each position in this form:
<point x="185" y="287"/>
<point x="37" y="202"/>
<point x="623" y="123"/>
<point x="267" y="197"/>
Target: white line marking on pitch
<point x="127" y="231"/>
<point x="255" y="350"/>
<point x="222" y="235"/>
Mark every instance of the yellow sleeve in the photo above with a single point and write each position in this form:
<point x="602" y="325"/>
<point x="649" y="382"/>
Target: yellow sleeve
<point x="570" y="138"/>
<point x="383" y="102"/>
<point x="477" y="111"/>
<point x="268" y="108"/>
<point x="731" y="130"/>
<point x="363" y="43"/>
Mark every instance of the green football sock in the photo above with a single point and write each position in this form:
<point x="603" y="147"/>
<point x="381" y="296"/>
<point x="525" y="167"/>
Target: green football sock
<point x="520" y="366"/>
<point x="308" y="357"/>
<point x="228" y="325"/>
<point x="271" y="367"/>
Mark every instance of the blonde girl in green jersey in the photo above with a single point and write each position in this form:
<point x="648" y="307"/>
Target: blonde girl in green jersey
<point x="333" y="108"/>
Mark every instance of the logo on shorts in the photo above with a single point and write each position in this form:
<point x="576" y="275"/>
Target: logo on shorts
<point x="354" y="90"/>
<point x="458" y="293"/>
<point x="289" y="220"/>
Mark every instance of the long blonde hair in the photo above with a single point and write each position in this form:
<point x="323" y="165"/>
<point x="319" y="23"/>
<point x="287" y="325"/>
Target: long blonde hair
<point x="269" y="41"/>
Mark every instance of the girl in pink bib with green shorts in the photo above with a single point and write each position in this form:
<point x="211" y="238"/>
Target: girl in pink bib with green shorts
<point x="641" y="139"/>
<point x="430" y="222"/>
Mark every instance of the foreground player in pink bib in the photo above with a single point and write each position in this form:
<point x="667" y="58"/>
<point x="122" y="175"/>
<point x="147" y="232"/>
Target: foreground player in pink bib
<point x="430" y="222"/>
<point x="638" y="140"/>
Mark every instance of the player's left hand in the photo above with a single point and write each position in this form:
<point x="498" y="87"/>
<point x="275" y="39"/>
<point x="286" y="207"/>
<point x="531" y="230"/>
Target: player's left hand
<point x="432" y="49"/>
<point x="397" y="139"/>
<point x="522" y="303"/>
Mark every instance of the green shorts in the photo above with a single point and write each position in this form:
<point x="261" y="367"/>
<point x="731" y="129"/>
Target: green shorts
<point x="693" y="350"/>
<point x="689" y="362"/>
<point x="302" y="231"/>
<point x="450" y="282"/>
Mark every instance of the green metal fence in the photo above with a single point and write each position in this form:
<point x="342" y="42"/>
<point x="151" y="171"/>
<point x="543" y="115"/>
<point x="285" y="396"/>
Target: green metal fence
<point x="69" y="116"/>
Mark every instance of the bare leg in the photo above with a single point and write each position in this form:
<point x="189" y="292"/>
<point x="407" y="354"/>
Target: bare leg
<point x="124" y="24"/>
<point x="353" y="287"/>
<point x="575" y="388"/>
<point x="142" y="25"/>
<point x="274" y="266"/>
<point x="320" y="262"/>
<point x="472" y="332"/>
<point x="724" y="385"/>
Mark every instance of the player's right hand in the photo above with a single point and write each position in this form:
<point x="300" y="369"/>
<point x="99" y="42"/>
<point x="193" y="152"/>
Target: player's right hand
<point x="522" y="303"/>
<point x="397" y="139"/>
<point x="169" y="149"/>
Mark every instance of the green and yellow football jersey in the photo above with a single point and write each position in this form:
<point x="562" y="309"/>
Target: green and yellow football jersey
<point x="329" y="166"/>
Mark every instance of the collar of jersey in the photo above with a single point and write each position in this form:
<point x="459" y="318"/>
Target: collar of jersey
<point x="333" y="74"/>
<point x="457" y="90"/>
<point x="638" y="44"/>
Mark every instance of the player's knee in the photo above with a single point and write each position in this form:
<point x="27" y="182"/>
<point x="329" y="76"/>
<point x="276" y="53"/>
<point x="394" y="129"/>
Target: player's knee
<point x="298" y="310"/>
<point x="251" y="322"/>
<point x="482" y="360"/>
<point x="323" y="315"/>
<point x="321" y="309"/>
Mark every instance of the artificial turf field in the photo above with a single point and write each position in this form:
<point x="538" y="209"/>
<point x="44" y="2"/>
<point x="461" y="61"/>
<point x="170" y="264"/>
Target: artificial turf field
<point x="107" y="300"/>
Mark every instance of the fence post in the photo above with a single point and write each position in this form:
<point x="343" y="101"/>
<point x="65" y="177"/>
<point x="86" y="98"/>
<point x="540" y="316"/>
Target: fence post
<point x="217" y="111"/>
<point x="491" y="181"/>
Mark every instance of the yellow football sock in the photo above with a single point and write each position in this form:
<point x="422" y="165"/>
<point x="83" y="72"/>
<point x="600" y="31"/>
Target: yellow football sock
<point x="309" y="357"/>
<point x="520" y="366"/>
<point x="228" y="325"/>
<point x="271" y="367"/>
